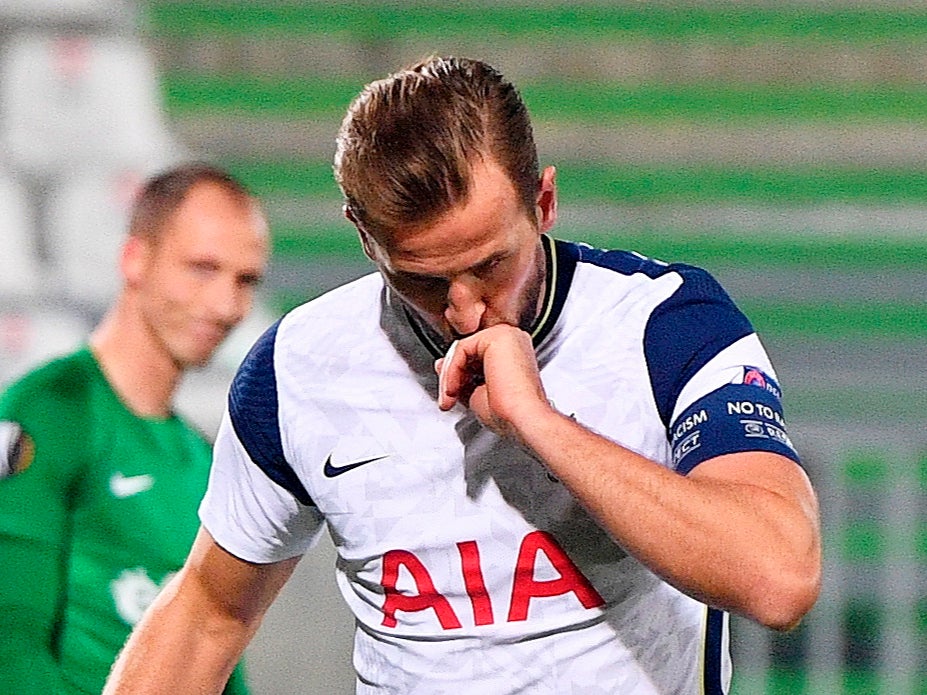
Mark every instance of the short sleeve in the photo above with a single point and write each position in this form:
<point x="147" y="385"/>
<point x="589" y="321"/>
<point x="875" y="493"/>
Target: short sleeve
<point x="712" y="381"/>
<point x="255" y="505"/>
<point x="686" y="331"/>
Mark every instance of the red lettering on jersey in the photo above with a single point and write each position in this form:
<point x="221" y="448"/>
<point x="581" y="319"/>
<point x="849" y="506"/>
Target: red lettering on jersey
<point x="527" y="587"/>
<point x="427" y="597"/>
<point x="474" y="582"/>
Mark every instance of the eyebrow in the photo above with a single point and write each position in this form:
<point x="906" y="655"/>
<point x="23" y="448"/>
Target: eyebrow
<point x="482" y="265"/>
<point x="493" y="258"/>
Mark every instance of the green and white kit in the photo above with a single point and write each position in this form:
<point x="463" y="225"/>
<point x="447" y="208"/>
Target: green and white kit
<point x="98" y="509"/>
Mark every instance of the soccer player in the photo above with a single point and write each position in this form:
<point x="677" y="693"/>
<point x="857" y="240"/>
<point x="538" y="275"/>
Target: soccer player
<point x="99" y="478"/>
<point x="546" y="468"/>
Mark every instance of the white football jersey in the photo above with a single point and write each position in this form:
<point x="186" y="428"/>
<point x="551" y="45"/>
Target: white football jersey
<point x="468" y="566"/>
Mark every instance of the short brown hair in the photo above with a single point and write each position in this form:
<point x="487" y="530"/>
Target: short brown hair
<point x="408" y="142"/>
<point x="163" y="193"/>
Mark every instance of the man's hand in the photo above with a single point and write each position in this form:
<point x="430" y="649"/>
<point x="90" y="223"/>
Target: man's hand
<point x="494" y="373"/>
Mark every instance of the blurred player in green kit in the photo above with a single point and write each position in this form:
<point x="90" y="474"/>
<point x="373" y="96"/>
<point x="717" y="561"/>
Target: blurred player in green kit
<point x="99" y="478"/>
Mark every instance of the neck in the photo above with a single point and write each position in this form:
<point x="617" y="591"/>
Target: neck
<point x="135" y="364"/>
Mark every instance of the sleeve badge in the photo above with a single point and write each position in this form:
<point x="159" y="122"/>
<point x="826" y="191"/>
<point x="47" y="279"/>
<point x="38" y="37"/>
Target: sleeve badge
<point x="17" y="450"/>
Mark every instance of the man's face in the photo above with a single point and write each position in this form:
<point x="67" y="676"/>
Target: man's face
<point x="479" y="265"/>
<point x="197" y="281"/>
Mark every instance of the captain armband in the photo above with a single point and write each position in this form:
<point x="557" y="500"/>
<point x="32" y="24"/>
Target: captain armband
<point x="734" y="418"/>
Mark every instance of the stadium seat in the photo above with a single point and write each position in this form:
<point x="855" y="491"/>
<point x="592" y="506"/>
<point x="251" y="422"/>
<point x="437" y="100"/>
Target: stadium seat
<point x="86" y="218"/>
<point x="53" y="12"/>
<point x="32" y="335"/>
<point x="19" y="264"/>
<point x="75" y="99"/>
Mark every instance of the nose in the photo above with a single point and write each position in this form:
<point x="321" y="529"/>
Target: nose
<point x="229" y="302"/>
<point x="465" y="305"/>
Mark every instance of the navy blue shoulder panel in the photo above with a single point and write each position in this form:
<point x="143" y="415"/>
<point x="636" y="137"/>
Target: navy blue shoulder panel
<point x="624" y="262"/>
<point x="253" y="410"/>
<point x="686" y="330"/>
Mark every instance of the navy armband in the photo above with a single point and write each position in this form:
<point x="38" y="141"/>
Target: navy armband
<point x="734" y="418"/>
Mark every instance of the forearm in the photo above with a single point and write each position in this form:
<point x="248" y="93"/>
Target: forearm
<point x="740" y="532"/>
<point x="178" y="648"/>
<point x="197" y="629"/>
<point x="731" y="543"/>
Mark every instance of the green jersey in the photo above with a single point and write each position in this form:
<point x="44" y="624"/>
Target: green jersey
<point x="98" y="509"/>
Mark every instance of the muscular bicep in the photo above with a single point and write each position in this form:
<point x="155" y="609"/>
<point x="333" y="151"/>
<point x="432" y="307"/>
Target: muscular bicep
<point x="764" y="472"/>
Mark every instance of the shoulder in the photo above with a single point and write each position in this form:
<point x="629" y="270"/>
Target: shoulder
<point x="698" y="305"/>
<point x="41" y="411"/>
<point x="312" y="332"/>
<point x="630" y="279"/>
<point x="685" y="315"/>
<point x="333" y="305"/>
<point x="687" y="330"/>
<point x="630" y="263"/>
<point x="621" y="262"/>
<point x="61" y="381"/>
<point x="255" y="375"/>
<point x="298" y="341"/>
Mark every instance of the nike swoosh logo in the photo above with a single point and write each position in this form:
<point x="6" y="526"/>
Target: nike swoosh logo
<point x="126" y="486"/>
<point x="331" y="471"/>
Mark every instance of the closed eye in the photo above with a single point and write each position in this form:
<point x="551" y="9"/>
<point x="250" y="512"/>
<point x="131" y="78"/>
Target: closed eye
<point x="250" y="279"/>
<point x="488" y="266"/>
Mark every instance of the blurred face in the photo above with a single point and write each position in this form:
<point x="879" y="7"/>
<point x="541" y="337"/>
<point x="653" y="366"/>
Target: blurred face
<point x="197" y="280"/>
<point x="479" y="265"/>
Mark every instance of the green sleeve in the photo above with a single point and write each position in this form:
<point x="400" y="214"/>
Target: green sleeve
<point x="34" y="523"/>
<point x="237" y="684"/>
<point x="26" y="625"/>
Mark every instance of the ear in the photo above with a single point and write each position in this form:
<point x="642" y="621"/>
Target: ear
<point x="368" y="244"/>
<point x="546" y="209"/>
<point x="133" y="259"/>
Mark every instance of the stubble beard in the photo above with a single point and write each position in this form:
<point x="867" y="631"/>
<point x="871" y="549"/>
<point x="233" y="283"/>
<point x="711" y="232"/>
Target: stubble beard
<point x="532" y="305"/>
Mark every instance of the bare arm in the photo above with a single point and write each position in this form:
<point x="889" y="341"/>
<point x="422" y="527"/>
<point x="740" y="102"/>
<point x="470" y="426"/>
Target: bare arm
<point x="195" y="632"/>
<point x="740" y="532"/>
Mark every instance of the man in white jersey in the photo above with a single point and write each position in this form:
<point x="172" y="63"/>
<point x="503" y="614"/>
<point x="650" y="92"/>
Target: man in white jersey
<point x="545" y="468"/>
